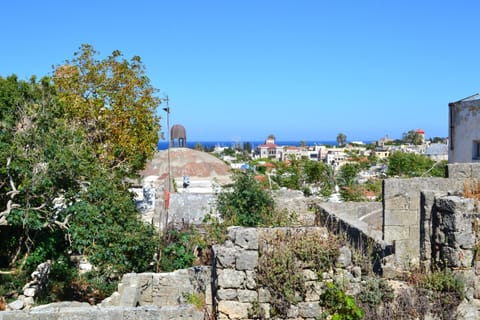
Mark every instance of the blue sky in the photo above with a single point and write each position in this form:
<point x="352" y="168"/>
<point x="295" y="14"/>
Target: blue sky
<point x="240" y="70"/>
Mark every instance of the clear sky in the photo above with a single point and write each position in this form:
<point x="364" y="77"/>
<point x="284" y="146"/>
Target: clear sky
<point x="239" y="70"/>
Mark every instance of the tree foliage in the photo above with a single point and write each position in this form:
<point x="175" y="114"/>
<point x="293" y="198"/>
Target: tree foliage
<point x="62" y="168"/>
<point x="409" y="165"/>
<point x="412" y="137"/>
<point x="341" y="139"/>
<point x="114" y="103"/>
<point x="247" y="204"/>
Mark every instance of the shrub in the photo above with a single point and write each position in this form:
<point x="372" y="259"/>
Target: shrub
<point x="339" y="305"/>
<point x="284" y="255"/>
<point x="247" y="204"/>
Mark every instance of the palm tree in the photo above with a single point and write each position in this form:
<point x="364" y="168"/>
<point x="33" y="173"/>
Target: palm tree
<point x="341" y="139"/>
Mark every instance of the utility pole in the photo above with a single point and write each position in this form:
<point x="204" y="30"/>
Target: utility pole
<point x="169" y="182"/>
<point x="166" y="196"/>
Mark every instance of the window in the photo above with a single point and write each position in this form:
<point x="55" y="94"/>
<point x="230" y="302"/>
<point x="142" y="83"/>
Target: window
<point x="476" y="150"/>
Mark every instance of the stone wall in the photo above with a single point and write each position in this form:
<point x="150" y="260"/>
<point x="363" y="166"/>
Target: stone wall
<point x="356" y="222"/>
<point x="407" y="207"/>
<point x="163" y="289"/>
<point x="401" y="213"/>
<point x="455" y="239"/>
<point x="139" y="296"/>
<point x="239" y="294"/>
<point x="190" y="208"/>
<point x="84" y="311"/>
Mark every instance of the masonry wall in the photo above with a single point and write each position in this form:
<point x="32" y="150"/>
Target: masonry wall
<point x="237" y="288"/>
<point x="407" y="207"/>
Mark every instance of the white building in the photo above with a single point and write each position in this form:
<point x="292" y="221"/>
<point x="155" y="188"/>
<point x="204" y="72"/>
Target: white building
<point x="464" y="130"/>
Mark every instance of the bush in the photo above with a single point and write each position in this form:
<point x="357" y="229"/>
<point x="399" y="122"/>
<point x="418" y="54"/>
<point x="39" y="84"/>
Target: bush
<point x="283" y="257"/>
<point x="339" y="305"/>
<point x="178" y="249"/>
<point x="247" y="204"/>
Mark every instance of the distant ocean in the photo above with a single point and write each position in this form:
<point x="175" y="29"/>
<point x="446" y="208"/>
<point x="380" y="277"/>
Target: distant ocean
<point x="163" y="145"/>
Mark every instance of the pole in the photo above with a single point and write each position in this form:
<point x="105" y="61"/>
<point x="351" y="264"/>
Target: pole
<point x="166" y="198"/>
<point x="169" y="182"/>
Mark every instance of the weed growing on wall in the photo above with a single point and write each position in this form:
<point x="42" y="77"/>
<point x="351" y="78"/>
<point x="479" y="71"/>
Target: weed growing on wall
<point x="339" y="305"/>
<point x="284" y="255"/>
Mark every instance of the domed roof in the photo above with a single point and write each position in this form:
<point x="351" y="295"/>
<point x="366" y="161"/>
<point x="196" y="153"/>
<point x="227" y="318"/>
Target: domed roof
<point x="187" y="162"/>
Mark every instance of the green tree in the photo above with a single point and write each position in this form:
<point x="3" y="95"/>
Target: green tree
<point x="113" y="101"/>
<point x="199" y="147"/>
<point x="247" y="203"/>
<point x="341" y="139"/>
<point x="412" y="137"/>
<point x="57" y="195"/>
<point x="247" y="147"/>
<point x="348" y="173"/>
<point x="321" y="175"/>
<point x="289" y="174"/>
<point x="408" y="165"/>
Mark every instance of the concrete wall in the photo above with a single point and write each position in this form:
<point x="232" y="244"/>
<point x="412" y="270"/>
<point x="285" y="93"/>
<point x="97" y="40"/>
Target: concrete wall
<point x="464" y="130"/>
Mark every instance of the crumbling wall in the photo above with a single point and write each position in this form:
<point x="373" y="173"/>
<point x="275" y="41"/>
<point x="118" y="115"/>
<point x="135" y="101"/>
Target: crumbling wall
<point x="402" y="211"/>
<point x="407" y="210"/>
<point x="455" y="240"/>
<point x="349" y="219"/>
<point x="163" y="289"/>
<point x="239" y="293"/>
<point x="84" y="311"/>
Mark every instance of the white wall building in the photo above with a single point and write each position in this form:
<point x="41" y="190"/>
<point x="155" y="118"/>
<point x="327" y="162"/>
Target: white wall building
<point x="464" y="130"/>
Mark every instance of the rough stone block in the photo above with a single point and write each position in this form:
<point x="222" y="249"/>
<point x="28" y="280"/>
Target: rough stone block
<point x="344" y="258"/>
<point x="407" y="252"/>
<point x="246" y="260"/>
<point x="309" y="309"/>
<point x="266" y="310"/>
<point x="234" y="310"/>
<point x="459" y="170"/>
<point x="169" y="288"/>
<point x="16" y="305"/>
<point x="247" y="238"/>
<point x="251" y="282"/>
<point x="401" y="217"/>
<point x="229" y="278"/>
<point x="263" y="295"/>
<point x="464" y="240"/>
<point x="475" y="171"/>
<point x="225" y="256"/>
<point x="130" y="296"/>
<point x="314" y="290"/>
<point x="392" y="233"/>
<point x="414" y="233"/>
<point x="247" y="295"/>
<point x="292" y="312"/>
<point x="457" y="258"/>
<point x="309" y="275"/>
<point x="397" y="202"/>
<point x="227" y="294"/>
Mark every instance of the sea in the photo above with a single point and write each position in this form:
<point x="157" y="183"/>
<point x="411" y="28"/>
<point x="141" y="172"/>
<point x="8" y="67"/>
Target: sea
<point x="209" y="145"/>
